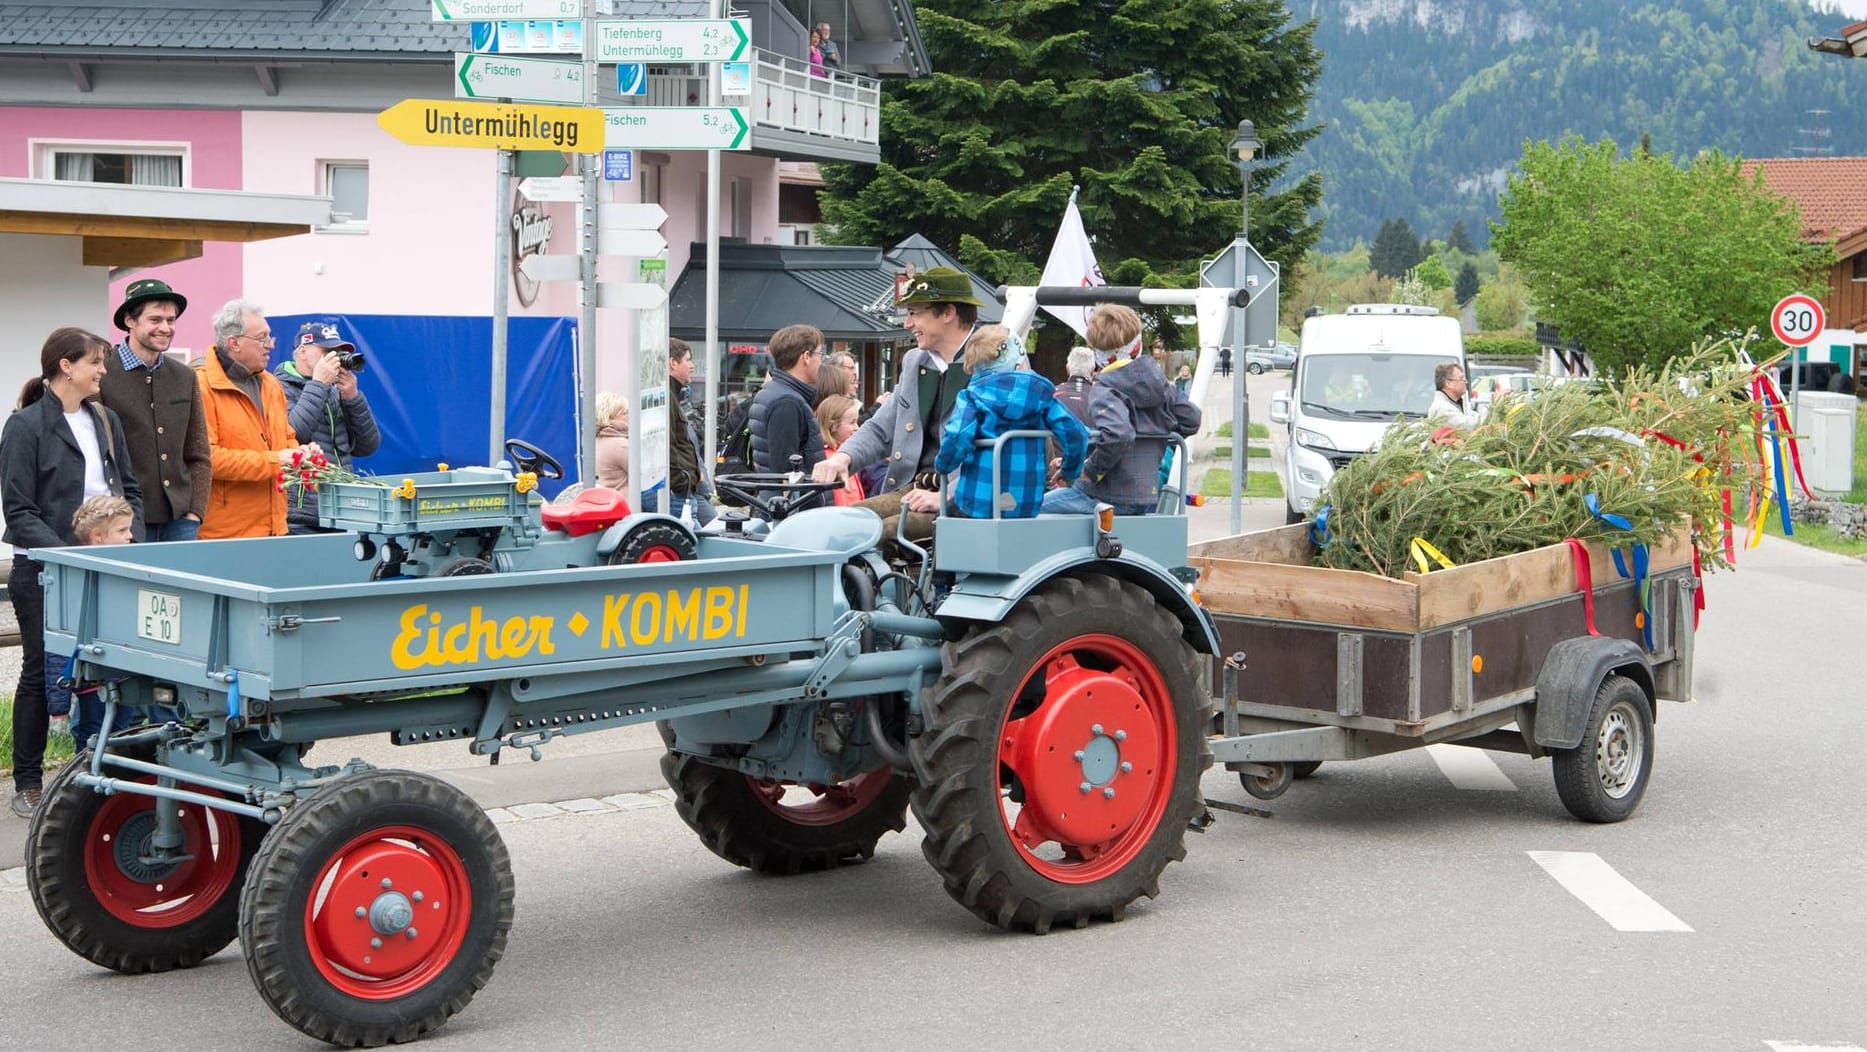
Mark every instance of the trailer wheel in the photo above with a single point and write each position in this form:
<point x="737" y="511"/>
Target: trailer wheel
<point x="654" y="542"/>
<point x="85" y="864"/>
<point x="1304" y="768"/>
<point x="1061" y="756"/>
<point x="762" y="826"/>
<point x="1603" y="778"/>
<point x="1271" y="786"/>
<point x="376" y="909"/>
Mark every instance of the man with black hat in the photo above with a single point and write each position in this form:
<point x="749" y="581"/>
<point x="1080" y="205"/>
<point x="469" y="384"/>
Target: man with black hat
<point x="159" y="403"/>
<point x="325" y="408"/>
<point x="942" y="315"/>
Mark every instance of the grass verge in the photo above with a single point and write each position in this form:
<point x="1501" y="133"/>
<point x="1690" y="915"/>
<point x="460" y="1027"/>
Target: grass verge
<point x="1813" y="534"/>
<point x="58" y="747"/>
<point x="1263" y="431"/>
<point x="1218" y="483"/>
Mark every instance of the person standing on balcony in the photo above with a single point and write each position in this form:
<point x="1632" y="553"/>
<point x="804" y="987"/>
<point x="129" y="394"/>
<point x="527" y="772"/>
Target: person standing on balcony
<point x="832" y="56"/>
<point x="816" y="56"/>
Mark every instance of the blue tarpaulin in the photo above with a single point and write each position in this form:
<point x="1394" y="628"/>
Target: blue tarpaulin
<point x="429" y="379"/>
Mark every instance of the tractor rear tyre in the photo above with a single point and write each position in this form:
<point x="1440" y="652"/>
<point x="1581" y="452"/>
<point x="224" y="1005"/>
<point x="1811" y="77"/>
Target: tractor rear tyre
<point x="1061" y="756"/>
<point x="87" y="866"/>
<point x="376" y="909"/>
<point x="761" y="826"/>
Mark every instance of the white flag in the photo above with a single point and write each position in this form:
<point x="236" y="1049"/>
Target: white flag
<point x="1072" y="262"/>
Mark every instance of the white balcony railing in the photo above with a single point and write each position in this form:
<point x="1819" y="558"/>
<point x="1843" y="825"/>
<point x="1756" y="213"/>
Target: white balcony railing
<point x="785" y="96"/>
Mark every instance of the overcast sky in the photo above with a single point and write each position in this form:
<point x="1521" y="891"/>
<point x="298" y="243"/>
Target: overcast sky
<point x="1853" y="8"/>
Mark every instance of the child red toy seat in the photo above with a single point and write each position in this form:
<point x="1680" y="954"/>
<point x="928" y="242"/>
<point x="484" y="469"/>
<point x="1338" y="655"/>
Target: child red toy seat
<point x="589" y="511"/>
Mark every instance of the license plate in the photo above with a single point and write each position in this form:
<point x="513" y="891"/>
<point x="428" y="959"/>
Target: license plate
<point x="159" y="617"/>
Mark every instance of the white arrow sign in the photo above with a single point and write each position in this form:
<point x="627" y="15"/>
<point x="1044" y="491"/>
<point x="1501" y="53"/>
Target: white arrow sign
<point x="508" y="77"/>
<point x="677" y="128"/>
<point x="559" y="188"/>
<point x="495" y="10"/>
<point x="551" y="268"/>
<point x="611" y="242"/>
<point x="621" y="215"/>
<point x="630" y="297"/>
<point x="678" y="40"/>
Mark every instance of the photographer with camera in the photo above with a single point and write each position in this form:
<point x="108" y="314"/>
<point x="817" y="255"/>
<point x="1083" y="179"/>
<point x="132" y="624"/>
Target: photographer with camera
<point x="325" y="407"/>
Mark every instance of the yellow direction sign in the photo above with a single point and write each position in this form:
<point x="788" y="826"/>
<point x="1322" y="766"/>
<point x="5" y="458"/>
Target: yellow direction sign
<point x="494" y="126"/>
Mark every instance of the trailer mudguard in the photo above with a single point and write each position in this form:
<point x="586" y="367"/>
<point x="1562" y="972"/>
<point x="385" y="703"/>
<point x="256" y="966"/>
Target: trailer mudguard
<point x="1571" y="674"/>
<point x="988" y="598"/>
<point x="612" y="537"/>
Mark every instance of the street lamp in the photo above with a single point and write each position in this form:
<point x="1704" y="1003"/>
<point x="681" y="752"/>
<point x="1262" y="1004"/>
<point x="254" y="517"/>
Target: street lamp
<point x="1244" y="147"/>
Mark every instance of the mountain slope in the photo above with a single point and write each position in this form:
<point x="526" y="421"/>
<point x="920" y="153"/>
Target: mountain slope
<point x="1428" y="102"/>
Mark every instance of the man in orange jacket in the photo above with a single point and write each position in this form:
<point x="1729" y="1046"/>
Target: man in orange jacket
<point x="247" y="429"/>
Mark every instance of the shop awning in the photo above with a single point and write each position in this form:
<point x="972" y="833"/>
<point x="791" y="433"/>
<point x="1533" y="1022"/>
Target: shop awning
<point x="145" y="226"/>
<point x="846" y="291"/>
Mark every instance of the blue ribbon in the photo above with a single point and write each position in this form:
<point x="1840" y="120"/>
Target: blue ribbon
<point x="1776" y="457"/>
<point x="1319" y="529"/>
<point x="1642" y="587"/>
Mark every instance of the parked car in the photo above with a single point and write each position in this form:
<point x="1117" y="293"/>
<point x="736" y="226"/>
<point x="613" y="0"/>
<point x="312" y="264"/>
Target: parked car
<point x="1278" y="356"/>
<point x="1486" y="382"/>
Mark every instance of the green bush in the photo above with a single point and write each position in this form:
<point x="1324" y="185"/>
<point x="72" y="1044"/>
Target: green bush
<point x="58" y="746"/>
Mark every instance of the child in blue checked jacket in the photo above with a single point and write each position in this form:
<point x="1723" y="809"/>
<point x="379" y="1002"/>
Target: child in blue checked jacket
<point x="1004" y="395"/>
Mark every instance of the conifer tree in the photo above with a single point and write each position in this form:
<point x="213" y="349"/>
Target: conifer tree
<point x="1459" y="240"/>
<point x="1396" y="249"/>
<point x="1136" y="101"/>
<point x="1465" y="287"/>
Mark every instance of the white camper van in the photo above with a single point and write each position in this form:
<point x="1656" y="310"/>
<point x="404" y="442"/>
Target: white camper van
<point x="1357" y="373"/>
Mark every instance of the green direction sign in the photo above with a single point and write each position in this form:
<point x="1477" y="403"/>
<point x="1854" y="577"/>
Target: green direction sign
<point x="676" y="128"/>
<point x="508" y="77"/>
<point x="497" y="10"/>
<point x="677" y="40"/>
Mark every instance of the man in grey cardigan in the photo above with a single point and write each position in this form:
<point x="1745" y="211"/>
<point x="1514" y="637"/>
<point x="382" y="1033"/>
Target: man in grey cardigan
<point x="324" y="407"/>
<point x="905" y="431"/>
<point x="159" y="403"/>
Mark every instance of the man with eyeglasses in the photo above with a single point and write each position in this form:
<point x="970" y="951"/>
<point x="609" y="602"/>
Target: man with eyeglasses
<point x="248" y="428"/>
<point x="159" y="404"/>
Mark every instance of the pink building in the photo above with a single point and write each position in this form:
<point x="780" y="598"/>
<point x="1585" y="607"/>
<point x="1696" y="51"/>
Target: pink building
<point x="282" y="98"/>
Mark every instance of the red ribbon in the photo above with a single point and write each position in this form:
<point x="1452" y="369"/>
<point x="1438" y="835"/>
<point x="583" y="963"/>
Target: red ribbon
<point x="1584" y="580"/>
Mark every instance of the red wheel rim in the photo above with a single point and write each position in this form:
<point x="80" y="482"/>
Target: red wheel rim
<point x="659" y="553"/>
<point x="388" y="913"/>
<point x="159" y="896"/>
<point x="1090" y="741"/>
<point x="828" y="804"/>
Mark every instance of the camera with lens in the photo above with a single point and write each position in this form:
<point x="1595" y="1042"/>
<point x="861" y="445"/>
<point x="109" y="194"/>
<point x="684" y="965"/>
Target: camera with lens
<point x="351" y="360"/>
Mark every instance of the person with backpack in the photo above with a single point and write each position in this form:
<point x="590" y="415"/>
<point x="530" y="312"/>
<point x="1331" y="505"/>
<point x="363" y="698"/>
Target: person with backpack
<point x="784" y="422"/>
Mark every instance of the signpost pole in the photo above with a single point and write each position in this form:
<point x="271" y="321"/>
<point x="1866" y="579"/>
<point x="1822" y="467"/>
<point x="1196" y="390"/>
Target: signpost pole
<point x="717" y="8"/>
<point x="502" y="272"/>
<point x="589" y="165"/>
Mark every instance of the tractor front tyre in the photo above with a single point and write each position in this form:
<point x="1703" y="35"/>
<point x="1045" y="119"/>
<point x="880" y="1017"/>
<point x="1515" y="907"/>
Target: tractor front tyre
<point x="654" y="542"/>
<point x="103" y="892"/>
<point x="780" y="827"/>
<point x="1062" y="754"/>
<point x="376" y="909"/>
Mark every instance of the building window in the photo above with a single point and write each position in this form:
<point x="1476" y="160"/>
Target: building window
<point x="650" y="176"/>
<point x="112" y="163"/>
<point x="347" y="183"/>
<point x="1860" y="267"/>
<point x="741" y="209"/>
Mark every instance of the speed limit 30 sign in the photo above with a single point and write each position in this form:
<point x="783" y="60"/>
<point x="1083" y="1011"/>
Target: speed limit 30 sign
<point x="1798" y="320"/>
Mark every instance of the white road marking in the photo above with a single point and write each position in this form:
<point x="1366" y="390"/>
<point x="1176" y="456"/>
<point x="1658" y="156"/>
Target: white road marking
<point x="1797" y="1046"/>
<point x="1602" y="889"/>
<point x="1469" y="768"/>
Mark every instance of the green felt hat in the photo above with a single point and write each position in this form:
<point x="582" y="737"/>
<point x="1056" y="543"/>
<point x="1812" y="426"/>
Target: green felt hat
<point x="148" y="289"/>
<point x="938" y="285"/>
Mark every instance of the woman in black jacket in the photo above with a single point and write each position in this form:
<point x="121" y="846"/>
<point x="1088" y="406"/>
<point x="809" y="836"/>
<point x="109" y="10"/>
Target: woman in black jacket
<point x="58" y="450"/>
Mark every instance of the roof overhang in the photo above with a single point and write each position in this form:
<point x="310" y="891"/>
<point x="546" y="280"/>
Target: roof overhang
<point x="143" y="226"/>
<point x="1852" y="43"/>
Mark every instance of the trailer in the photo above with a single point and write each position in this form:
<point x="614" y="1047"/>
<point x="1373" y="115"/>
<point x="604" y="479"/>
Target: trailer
<point x="1558" y="652"/>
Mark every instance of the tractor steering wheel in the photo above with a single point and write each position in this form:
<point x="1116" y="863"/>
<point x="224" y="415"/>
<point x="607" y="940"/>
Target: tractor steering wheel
<point x="527" y="457"/>
<point x="747" y="489"/>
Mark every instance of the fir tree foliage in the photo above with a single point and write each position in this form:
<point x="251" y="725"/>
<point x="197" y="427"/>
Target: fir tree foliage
<point x="1465" y="286"/>
<point x="1639" y="257"/>
<point x="1459" y="241"/>
<point x="1396" y="249"/>
<point x="1135" y="101"/>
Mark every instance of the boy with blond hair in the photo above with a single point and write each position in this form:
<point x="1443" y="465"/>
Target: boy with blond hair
<point x="1130" y="401"/>
<point x="1004" y="395"/>
<point x="100" y="520"/>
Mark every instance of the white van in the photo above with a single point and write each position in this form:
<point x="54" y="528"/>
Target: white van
<point x="1356" y="373"/>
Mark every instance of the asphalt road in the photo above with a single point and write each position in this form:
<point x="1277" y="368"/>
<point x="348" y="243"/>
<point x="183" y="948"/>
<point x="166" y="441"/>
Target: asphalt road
<point x="1383" y="906"/>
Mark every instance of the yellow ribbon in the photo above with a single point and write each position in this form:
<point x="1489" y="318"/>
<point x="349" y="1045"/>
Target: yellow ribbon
<point x="1421" y="549"/>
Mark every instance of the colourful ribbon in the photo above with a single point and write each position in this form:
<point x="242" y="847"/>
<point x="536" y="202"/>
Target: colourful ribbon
<point x="1421" y="548"/>
<point x="1585" y="581"/>
<point x="1319" y="529"/>
<point x="1643" y="590"/>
